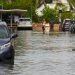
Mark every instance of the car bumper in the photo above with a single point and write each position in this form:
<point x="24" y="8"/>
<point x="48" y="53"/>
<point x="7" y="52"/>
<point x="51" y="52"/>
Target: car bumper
<point x="25" y="28"/>
<point x="7" y="53"/>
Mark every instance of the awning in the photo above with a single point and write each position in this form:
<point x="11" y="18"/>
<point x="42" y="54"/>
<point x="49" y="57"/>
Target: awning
<point x="12" y="11"/>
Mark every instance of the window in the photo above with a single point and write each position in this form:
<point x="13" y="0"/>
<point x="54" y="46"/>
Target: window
<point x="3" y="32"/>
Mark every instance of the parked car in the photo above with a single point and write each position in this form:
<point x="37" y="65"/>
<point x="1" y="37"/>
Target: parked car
<point x="25" y="24"/>
<point x="66" y="24"/>
<point x="72" y="27"/>
<point x="6" y="48"/>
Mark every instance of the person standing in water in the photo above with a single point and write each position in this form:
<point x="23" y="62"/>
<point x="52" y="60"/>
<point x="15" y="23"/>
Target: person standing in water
<point x="51" y="25"/>
<point x="43" y="25"/>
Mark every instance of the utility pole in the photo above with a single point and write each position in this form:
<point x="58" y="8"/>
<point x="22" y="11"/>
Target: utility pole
<point x="1" y="9"/>
<point x="60" y="11"/>
<point x="31" y="9"/>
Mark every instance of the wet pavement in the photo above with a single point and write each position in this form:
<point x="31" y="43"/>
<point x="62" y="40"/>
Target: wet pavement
<point x="38" y="54"/>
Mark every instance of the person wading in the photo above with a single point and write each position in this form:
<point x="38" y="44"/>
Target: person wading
<point x="43" y="25"/>
<point x="51" y="25"/>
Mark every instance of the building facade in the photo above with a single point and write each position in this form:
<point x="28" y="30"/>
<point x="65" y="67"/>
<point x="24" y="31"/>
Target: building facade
<point x="44" y="1"/>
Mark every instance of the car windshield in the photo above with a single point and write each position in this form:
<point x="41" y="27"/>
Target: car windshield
<point x="24" y="20"/>
<point x="3" y="32"/>
<point x="67" y="20"/>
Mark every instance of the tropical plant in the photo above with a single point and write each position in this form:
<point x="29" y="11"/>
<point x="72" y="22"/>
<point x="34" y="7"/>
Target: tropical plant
<point x="49" y="13"/>
<point x="72" y="2"/>
<point x="66" y="14"/>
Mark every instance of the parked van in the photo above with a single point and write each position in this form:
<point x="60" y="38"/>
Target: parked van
<point x="25" y="24"/>
<point x="66" y="24"/>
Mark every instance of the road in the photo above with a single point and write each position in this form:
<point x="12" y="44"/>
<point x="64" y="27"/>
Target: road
<point x="38" y="54"/>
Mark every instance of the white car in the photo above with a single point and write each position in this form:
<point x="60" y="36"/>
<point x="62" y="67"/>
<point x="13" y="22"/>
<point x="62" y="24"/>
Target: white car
<point x="25" y="23"/>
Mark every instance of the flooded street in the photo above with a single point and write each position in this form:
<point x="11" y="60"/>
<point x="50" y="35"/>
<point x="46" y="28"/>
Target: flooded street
<point x="38" y="54"/>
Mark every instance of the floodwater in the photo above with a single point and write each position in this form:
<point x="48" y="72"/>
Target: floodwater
<point x="38" y="54"/>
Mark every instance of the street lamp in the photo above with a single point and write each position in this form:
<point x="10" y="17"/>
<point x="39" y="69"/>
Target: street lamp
<point x="31" y="9"/>
<point x="60" y="11"/>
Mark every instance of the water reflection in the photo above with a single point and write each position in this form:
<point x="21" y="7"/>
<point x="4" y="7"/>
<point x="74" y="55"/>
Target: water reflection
<point x="6" y="67"/>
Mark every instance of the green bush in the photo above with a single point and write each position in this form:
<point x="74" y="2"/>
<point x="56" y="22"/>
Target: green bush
<point x="49" y="13"/>
<point x="66" y="14"/>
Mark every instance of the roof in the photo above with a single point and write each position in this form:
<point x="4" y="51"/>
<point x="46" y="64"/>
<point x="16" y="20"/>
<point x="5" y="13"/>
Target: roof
<point x="24" y="18"/>
<point x="12" y="10"/>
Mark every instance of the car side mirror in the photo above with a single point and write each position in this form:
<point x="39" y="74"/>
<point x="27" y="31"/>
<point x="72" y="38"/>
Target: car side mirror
<point x="13" y="35"/>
